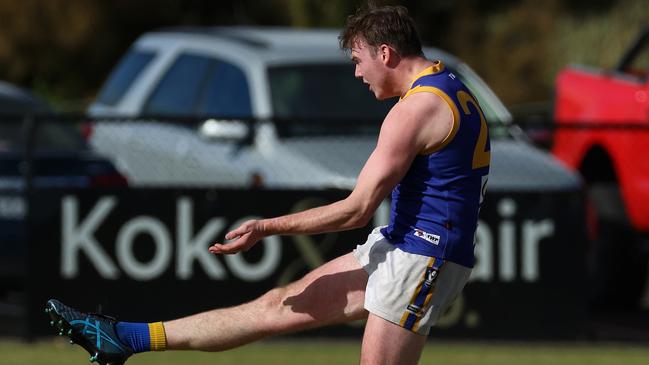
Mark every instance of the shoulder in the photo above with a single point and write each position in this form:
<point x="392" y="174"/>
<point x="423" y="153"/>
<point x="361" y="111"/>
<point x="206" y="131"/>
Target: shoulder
<point x="424" y="119"/>
<point x="430" y="98"/>
<point x="415" y="107"/>
<point x="421" y="109"/>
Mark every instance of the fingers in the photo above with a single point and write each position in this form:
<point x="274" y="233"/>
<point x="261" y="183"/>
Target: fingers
<point x="242" y="243"/>
<point x="246" y="227"/>
<point x="243" y="237"/>
<point x="224" y="249"/>
<point x="237" y="233"/>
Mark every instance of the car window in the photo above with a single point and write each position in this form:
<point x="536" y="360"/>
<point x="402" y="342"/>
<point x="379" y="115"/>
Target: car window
<point x="56" y="135"/>
<point x="639" y="65"/>
<point x="121" y="79"/>
<point x="180" y="88"/>
<point x="50" y="136"/>
<point x="10" y="136"/>
<point x="227" y="92"/>
<point x="322" y="92"/>
<point x="635" y="61"/>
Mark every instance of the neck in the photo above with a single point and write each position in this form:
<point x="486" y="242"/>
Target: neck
<point x="409" y="69"/>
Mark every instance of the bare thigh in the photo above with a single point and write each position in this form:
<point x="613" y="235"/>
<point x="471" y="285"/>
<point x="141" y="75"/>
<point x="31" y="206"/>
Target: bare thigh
<point x="386" y="343"/>
<point x="333" y="293"/>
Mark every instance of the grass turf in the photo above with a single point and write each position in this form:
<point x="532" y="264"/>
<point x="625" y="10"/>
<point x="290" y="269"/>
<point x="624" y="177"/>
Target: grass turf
<point x="327" y="353"/>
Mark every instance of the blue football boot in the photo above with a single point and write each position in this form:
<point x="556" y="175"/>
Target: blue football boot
<point x="94" y="332"/>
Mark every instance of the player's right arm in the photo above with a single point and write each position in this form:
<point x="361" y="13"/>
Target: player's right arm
<point x="412" y="126"/>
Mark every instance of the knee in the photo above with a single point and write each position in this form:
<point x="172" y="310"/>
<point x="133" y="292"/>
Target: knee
<point x="272" y="306"/>
<point x="273" y="300"/>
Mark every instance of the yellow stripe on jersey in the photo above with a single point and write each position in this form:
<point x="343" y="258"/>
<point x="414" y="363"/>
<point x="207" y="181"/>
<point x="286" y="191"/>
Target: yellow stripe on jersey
<point x="436" y="67"/>
<point x="454" y="110"/>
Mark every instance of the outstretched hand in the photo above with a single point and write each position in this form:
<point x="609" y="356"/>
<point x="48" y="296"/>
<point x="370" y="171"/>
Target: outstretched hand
<point x="246" y="236"/>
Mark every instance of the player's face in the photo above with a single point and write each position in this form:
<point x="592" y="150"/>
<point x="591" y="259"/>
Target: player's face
<point x="369" y="68"/>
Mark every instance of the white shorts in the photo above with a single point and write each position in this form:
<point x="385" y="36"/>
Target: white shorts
<point x="410" y="290"/>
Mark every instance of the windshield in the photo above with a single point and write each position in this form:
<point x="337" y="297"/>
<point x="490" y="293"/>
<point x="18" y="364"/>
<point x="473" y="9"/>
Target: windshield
<point x="324" y="94"/>
<point x="123" y="76"/>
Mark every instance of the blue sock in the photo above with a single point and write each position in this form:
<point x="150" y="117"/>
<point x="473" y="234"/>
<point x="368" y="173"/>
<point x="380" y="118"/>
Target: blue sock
<point x="135" y="335"/>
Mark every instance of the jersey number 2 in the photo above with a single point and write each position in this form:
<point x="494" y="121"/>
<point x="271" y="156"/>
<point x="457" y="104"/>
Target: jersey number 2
<point x="481" y="157"/>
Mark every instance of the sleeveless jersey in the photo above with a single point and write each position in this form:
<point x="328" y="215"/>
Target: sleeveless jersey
<point x="434" y="209"/>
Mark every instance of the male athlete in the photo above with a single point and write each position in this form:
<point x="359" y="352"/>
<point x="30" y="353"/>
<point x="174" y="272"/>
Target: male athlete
<point x="432" y="154"/>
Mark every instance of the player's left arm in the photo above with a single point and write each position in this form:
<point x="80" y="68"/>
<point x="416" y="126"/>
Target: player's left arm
<point x="413" y="125"/>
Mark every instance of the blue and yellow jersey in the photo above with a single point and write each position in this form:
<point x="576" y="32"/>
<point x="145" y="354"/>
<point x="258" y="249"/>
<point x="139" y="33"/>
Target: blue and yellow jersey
<point x="434" y="210"/>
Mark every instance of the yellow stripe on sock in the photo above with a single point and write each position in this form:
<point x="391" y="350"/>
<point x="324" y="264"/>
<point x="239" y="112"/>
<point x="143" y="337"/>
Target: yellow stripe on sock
<point x="157" y="336"/>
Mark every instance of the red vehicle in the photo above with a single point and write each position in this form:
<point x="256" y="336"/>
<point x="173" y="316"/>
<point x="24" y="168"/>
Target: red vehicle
<point x="602" y="131"/>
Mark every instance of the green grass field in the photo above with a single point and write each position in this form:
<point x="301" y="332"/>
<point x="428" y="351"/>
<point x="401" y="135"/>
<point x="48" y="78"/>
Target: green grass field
<point x="330" y="353"/>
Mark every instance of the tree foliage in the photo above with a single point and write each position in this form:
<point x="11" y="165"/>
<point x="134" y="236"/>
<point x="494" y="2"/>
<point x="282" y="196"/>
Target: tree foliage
<point x="65" y="48"/>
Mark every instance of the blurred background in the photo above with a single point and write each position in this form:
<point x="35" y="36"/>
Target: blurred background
<point x="64" y="50"/>
<point x="135" y="133"/>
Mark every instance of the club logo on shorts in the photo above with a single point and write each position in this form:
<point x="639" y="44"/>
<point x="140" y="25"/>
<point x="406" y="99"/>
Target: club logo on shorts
<point x="432" y="238"/>
<point x="431" y="275"/>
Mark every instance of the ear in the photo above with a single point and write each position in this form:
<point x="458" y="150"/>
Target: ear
<point x="389" y="55"/>
<point x="385" y="52"/>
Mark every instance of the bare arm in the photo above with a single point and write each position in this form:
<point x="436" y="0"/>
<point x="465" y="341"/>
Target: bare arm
<point x="412" y="125"/>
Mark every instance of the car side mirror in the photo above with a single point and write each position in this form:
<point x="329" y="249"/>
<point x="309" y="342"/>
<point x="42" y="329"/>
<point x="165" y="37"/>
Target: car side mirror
<point x="225" y="130"/>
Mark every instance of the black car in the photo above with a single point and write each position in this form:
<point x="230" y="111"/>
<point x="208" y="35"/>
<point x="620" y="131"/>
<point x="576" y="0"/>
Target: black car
<point x="60" y="158"/>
